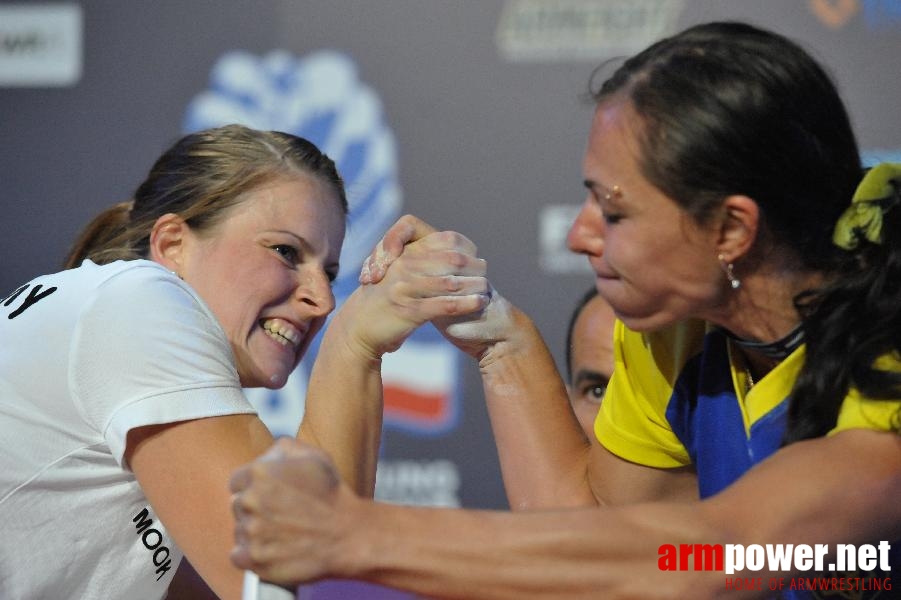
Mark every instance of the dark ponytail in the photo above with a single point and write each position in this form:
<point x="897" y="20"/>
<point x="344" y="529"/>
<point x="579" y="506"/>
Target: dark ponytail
<point x="849" y="324"/>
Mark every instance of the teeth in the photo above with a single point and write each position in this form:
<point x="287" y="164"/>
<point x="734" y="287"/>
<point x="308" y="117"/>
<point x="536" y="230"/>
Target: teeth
<point x="282" y="332"/>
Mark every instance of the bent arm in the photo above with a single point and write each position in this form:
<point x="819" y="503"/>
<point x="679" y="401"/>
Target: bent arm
<point x="183" y="469"/>
<point x="437" y="276"/>
<point x="343" y="411"/>
<point x="545" y="458"/>
<point x="543" y="453"/>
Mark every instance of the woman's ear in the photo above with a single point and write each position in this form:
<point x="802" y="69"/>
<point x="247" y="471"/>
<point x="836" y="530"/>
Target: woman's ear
<point x="167" y="242"/>
<point x="739" y="227"/>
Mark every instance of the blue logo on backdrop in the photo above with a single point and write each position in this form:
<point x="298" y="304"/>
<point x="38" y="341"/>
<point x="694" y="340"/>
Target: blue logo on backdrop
<point x="882" y="14"/>
<point x="320" y="97"/>
<point x="873" y="157"/>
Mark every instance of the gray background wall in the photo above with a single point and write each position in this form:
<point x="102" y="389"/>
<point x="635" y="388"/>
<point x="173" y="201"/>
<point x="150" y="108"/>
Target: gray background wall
<point x="485" y="142"/>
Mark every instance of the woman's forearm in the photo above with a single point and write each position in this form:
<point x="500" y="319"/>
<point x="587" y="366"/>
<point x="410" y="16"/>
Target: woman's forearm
<point x="575" y="554"/>
<point x="542" y="450"/>
<point x="614" y="552"/>
<point x="343" y="412"/>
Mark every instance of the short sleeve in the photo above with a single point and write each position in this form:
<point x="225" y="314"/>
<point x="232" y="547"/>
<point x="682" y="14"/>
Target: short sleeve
<point x="147" y="351"/>
<point x="859" y="412"/>
<point x="632" y="420"/>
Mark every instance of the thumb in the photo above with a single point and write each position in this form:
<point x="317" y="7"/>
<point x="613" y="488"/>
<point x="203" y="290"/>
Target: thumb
<point x="405" y="230"/>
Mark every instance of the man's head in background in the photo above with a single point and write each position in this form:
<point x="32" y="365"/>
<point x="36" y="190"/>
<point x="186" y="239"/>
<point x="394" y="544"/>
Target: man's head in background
<point x="589" y="356"/>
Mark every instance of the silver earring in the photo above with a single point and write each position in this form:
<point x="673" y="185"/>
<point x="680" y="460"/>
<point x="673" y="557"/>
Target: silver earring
<point x="734" y="281"/>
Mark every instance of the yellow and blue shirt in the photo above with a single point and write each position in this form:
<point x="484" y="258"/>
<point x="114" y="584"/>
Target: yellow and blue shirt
<point x="679" y="397"/>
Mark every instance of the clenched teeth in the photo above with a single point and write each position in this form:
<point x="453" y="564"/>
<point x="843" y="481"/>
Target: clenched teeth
<point x="282" y="332"/>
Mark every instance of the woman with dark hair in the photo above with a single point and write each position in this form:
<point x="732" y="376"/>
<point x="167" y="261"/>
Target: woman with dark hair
<point x="755" y="271"/>
<point x="122" y="412"/>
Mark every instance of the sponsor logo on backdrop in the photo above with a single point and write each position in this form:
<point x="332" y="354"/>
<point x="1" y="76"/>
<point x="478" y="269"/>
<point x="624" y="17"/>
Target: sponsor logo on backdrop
<point x="554" y="222"/>
<point x="551" y="30"/>
<point x="418" y="482"/>
<point x="882" y="14"/>
<point x="40" y="45"/>
<point x="320" y="97"/>
<point x="877" y="14"/>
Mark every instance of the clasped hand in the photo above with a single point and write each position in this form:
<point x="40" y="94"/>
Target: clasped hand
<point x="433" y="275"/>
<point x="474" y="330"/>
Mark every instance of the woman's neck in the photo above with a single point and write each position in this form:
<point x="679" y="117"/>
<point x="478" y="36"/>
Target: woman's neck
<point x="761" y="314"/>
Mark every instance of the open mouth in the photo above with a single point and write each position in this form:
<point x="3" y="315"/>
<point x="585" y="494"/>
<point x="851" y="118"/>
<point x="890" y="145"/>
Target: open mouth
<point x="282" y="332"/>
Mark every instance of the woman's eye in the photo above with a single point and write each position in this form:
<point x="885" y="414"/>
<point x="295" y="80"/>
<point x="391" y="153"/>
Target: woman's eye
<point x="611" y="219"/>
<point x="595" y="392"/>
<point x="287" y="252"/>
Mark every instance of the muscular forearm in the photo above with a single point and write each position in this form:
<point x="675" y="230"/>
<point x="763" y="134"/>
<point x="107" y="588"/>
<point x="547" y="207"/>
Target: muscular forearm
<point x="542" y="450"/>
<point x="613" y="552"/>
<point x="582" y="553"/>
<point x="343" y="413"/>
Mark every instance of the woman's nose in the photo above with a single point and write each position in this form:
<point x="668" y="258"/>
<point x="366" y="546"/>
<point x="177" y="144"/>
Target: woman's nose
<point x="585" y="236"/>
<point x="314" y="290"/>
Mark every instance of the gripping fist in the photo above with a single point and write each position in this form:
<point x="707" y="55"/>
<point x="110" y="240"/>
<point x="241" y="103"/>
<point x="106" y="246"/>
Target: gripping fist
<point x="287" y="509"/>
<point x="432" y="275"/>
<point x="476" y="331"/>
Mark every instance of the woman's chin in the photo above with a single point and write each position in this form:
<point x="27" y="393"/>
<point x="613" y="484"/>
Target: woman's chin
<point x="272" y="378"/>
<point x="277" y="380"/>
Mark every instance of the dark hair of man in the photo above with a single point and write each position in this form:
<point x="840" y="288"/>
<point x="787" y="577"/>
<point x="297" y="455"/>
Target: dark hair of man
<point x="577" y="310"/>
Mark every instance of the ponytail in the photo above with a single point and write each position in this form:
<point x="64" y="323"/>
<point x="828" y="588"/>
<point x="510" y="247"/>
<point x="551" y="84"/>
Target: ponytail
<point x="855" y="320"/>
<point x="96" y="239"/>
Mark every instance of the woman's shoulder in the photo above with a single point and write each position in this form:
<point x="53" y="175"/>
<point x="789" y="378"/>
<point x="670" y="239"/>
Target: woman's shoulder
<point x="140" y="288"/>
<point x="135" y="278"/>
<point x="92" y="275"/>
<point x="126" y="269"/>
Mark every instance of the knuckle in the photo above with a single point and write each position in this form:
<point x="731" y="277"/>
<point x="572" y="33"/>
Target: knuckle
<point x="246" y="503"/>
<point x="253" y="528"/>
<point x="456" y="259"/>
<point x="452" y="306"/>
<point x="452" y="283"/>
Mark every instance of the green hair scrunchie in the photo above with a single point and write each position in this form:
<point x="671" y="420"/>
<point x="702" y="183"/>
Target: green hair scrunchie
<point x="863" y="219"/>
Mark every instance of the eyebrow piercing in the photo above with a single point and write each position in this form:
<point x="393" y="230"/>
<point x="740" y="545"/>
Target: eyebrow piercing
<point x="614" y="192"/>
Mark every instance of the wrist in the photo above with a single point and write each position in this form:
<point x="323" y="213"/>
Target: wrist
<point x="343" y="329"/>
<point x="520" y="333"/>
<point x="357" y="539"/>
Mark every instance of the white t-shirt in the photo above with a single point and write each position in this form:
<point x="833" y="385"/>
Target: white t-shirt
<point x="86" y="355"/>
